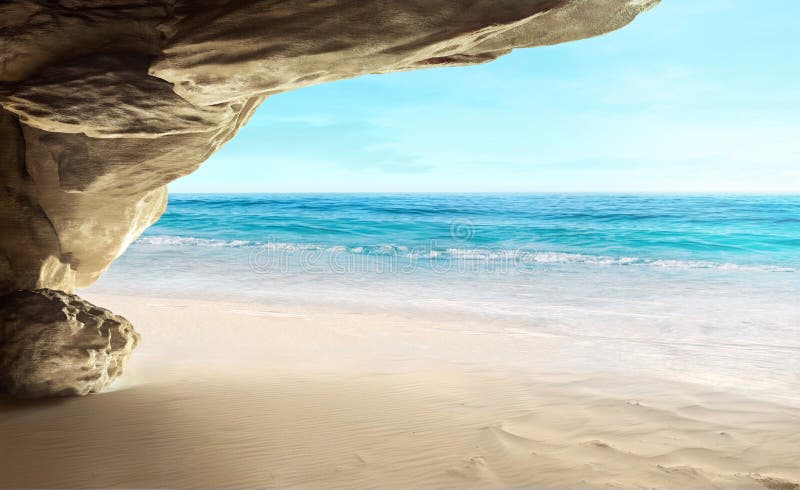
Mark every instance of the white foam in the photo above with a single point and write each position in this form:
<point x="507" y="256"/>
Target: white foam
<point x="192" y="241"/>
<point x="519" y="256"/>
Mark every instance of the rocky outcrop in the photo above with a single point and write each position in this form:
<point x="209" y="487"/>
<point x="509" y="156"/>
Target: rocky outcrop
<point x="56" y="344"/>
<point x="104" y="102"/>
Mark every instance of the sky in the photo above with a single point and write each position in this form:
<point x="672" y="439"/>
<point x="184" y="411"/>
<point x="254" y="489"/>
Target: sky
<point x="698" y="96"/>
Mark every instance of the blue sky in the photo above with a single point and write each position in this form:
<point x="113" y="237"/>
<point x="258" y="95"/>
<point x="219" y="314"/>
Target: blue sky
<point x="693" y="96"/>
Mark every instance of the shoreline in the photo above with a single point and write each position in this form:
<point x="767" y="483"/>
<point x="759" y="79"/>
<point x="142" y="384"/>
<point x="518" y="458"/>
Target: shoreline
<point x="506" y="340"/>
<point x="225" y="394"/>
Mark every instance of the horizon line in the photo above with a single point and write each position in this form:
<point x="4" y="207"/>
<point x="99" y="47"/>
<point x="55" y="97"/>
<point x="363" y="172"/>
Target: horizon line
<point x="618" y="193"/>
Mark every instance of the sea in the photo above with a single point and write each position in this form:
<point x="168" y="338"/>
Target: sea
<point x="696" y="288"/>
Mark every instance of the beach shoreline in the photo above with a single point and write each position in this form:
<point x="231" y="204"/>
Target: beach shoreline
<point x="225" y="394"/>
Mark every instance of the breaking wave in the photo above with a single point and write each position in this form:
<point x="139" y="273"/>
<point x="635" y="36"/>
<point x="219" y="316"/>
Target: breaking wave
<point x="528" y="256"/>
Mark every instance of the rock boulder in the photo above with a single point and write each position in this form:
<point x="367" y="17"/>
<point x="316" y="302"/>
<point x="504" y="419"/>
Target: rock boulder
<point x="57" y="344"/>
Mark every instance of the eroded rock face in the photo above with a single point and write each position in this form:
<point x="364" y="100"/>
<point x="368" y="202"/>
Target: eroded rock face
<point x="102" y="103"/>
<point x="57" y="344"/>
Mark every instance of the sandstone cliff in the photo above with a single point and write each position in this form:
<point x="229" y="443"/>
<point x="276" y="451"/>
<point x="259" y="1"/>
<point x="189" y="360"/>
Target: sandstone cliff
<point x="106" y="101"/>
<point x="103" y="102"/>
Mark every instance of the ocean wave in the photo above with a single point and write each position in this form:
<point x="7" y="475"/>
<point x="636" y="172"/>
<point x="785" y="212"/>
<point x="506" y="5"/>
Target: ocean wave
<point x="568" y="258"/>
<point x="521" y="256"/>
<point x="189" y="241"/>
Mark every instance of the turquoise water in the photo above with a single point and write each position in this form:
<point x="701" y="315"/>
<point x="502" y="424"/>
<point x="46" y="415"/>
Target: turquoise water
<point x="666" y="231"/>
<point x="699" y="287"/>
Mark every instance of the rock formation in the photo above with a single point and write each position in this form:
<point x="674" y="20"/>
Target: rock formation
<point x="103" y="102"/>
<point x="53" y="343"/>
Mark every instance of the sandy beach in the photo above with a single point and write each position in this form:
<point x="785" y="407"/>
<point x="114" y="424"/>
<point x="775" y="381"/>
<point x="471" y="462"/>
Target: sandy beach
<point x="410" y="267"/>
<point x="254" y="395"/>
